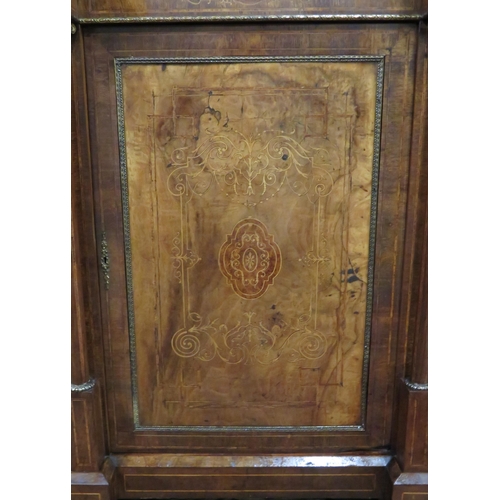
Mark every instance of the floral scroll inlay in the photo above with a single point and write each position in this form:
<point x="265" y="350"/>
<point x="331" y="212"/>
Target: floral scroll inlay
<point x="250" y="259"/>
<point x="249" y="341"/>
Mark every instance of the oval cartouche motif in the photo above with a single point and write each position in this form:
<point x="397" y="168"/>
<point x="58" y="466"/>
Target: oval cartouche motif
<point x="250" y="259"/>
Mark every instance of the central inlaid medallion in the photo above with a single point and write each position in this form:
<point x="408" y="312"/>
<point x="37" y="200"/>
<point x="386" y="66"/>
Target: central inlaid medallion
<point x="250" y="259"/>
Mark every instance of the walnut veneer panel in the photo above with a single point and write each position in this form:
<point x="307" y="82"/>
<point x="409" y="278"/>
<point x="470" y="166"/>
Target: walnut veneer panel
<point x="249" y="191"/>
<point x="236" y="197"/>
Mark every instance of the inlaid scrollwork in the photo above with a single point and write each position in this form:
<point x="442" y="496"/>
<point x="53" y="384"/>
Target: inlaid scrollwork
<point x="182" y="257"/>
<point x="249" y="341"/>
<point x="250" y="170"/>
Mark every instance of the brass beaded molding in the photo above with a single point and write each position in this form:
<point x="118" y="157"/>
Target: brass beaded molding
<point x="415" y="386"/>
<point x="268" y="17"/>
<point x="86" y="386"/>
<point x="105" y="260"/>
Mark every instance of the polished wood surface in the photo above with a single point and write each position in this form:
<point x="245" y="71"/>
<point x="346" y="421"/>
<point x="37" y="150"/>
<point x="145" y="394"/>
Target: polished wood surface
<point x="103" y="44"/>
<point x="249" y="188"/>
<point x="87" y="422"/>
<point x="89" y="486"/>
<point x="411" y="486"/>
<point x="230" y="476"/>
<point x="412" y="438"/>
<point x="87" y="431"/>
<point x="410" y="430"/>
<point x="413" y="326"/>
<point x="86" y="319"/>
<point x="95" y="10"/>
<point x="79" y="360"/>
<point x="138" y="435"/>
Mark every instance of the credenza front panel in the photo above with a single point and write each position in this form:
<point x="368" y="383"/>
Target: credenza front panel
<point x="250" y="207"/>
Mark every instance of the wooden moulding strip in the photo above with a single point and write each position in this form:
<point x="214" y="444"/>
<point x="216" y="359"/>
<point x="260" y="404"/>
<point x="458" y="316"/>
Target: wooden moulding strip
<point x="254" y="461"/>
<point x="407" y="478"/>
<point x="88" y="478"/>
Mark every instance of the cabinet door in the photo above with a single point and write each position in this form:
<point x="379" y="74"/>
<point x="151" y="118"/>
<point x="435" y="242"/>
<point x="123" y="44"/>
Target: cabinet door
<point x="250" y="189"/>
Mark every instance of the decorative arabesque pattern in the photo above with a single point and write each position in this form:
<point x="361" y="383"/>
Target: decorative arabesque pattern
<point x="195" y="327"/>
<point x="249" y="341"/>
<point x="251" y="170"/>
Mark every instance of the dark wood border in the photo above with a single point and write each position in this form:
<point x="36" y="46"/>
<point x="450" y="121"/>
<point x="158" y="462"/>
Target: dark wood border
<point x="103" y="44"/>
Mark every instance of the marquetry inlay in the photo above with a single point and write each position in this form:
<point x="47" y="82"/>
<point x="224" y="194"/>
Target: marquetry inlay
<point x="250" y="259"/>
<point x="249" y="214"/>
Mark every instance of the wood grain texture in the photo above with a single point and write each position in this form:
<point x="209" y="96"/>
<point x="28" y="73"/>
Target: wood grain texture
<point x="397" y="45"/>
<point x="87" y="431"/>
<point x="413" y="325"/>
<point x="417" y="448"/>
<point x="411" y="486"/>
<point x="89" y="486"/>
<point x="219" y="8"/>
<point x="236" y="173"/>
<point x="410" y="434"/>
<point x="185" y="476"/>
<point x="412" y="442"/>
<point x="88" y="425"/>
<point x="82" y="205"/>
<point x="420" y="495"/>
<point x="76" y="13"/>
<point x="79" y="359"/>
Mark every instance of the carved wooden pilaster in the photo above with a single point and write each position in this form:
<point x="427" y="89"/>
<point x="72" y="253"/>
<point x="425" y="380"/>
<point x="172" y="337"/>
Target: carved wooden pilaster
<point x="79" y="359"/>
<point x="413" y="323"/>
<point x="87" y="424"/>
<point x="418" y="373"/>
<point x="411" y="432"/>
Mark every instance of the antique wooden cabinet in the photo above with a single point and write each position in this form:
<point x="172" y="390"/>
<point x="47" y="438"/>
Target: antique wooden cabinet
<point x="249" y="249"/>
